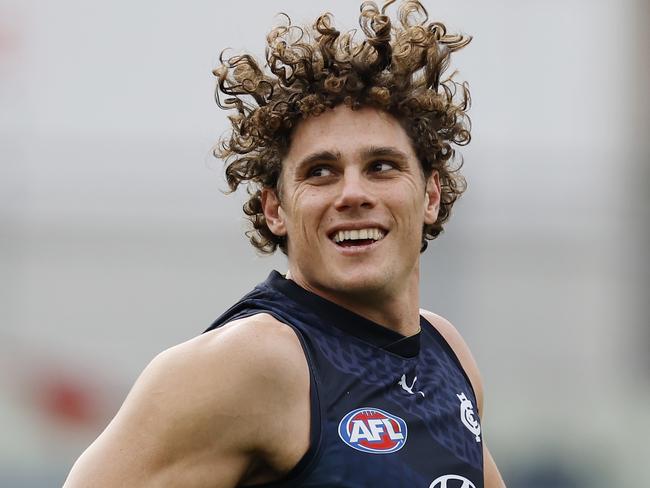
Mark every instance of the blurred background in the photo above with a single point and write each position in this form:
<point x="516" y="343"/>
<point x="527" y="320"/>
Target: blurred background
<point x="116" y="240"/>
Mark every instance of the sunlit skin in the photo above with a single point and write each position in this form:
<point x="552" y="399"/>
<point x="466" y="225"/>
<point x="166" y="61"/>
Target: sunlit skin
<point x="355" y="169"/>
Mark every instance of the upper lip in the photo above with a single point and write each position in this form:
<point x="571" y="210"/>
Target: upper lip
<point x="355" y="226"/>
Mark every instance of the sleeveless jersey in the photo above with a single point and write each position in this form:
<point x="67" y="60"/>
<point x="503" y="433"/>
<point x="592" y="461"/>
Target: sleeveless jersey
<point x="386" y="410"/>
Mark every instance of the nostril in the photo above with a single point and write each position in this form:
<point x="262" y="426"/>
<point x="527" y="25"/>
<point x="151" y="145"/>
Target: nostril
<point x="354" y="198"/>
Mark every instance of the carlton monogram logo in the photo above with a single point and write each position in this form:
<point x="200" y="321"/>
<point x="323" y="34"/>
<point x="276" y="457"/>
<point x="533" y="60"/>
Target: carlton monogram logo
<point x="457" y="482"/>
<point x="467" y="416"/>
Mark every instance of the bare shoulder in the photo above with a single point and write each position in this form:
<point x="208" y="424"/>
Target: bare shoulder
<point x="206" y="409"/>
<point x="247" y="359"/>
<point x="259" y="344"/>
<point x="461" y="349"/>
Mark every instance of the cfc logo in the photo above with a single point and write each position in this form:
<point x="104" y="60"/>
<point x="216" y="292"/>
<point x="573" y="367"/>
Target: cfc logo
<point x="373" y="430"/>
<point x="467" y="416"/>
<point x="452" y="481"/>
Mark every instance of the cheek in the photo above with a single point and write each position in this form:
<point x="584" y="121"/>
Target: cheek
<point x="306" y="209"/>
<point x="413" y="208"/>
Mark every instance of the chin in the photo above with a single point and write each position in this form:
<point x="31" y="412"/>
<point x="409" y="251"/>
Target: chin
<point x="359" y="282"/>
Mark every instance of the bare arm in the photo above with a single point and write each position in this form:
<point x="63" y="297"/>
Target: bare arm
<point x="491" y="475"/>
<point x="205" y="413"/>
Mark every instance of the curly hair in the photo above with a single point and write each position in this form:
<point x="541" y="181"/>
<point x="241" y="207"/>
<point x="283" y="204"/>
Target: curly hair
<point x="394" y="68"/>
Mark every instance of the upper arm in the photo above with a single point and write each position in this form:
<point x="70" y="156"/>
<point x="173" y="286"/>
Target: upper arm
<point x="200" y="412"/>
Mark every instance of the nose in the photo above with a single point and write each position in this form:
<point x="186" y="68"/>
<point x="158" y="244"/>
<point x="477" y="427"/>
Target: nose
<point x="355" y="192"/>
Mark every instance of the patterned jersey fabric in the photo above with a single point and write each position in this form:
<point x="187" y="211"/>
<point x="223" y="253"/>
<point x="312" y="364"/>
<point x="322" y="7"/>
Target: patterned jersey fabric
<point x="386" y="410"/>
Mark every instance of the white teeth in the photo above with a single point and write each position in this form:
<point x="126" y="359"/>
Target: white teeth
<point x="359" y="234"/>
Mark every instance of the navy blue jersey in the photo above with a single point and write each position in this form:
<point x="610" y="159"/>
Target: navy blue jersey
<point x="386" y="410"/>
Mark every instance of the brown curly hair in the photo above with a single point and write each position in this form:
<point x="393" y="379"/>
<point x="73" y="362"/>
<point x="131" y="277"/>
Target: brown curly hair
<point x="395" y="68"/>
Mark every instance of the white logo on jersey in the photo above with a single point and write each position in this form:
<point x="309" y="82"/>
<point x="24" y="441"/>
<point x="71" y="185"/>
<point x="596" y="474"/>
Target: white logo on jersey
<point x="406" y="388"/>
<point x="442" y="482"/>
<point x="467" y="416"/>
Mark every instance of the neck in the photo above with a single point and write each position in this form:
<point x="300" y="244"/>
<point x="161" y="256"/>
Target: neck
<point x="398" y="310"/>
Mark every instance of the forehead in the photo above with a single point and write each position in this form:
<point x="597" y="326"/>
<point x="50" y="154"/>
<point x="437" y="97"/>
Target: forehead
<point x="348" y="132"/>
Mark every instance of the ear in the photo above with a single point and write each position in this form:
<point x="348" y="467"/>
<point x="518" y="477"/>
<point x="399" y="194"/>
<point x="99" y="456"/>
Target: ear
<point x="273" y="212"/>
<point x="432" y="198"/>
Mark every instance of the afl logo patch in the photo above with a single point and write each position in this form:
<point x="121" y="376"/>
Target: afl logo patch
<point x="373" y="430"/>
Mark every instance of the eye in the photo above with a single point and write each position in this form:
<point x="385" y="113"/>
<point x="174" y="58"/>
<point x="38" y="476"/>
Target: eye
<point x="381" y="166"/>
<point x="319" y="172"/>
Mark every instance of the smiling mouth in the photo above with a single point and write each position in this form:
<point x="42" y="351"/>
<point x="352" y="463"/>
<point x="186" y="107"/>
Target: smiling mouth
<point x="358" y="237"/>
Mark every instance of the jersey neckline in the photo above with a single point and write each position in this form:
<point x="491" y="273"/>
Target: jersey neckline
<point x="346" y="320"/>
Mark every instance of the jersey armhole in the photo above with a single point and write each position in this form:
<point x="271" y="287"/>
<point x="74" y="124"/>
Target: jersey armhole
<point x="308" y="460"/>
<point x="450" y="352"/>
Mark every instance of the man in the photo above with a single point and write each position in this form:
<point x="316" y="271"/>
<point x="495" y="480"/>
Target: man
<point x="330" y="375"/>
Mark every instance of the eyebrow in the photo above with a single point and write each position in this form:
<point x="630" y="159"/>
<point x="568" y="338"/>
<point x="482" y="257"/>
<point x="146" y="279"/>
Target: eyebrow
<point x="317" y="157"/>
<point x="383" y="151"/>
<point x="367" y="153"/>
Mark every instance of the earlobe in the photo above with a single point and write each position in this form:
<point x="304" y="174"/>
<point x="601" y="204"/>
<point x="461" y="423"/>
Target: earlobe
<point x="273" y="212"/>
<point x="432" y="199"/>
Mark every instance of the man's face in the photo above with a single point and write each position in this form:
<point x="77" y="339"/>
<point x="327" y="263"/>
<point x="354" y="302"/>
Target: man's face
<point x="352" y="203"/>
